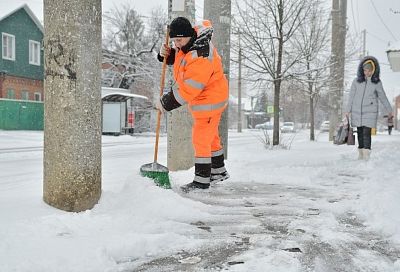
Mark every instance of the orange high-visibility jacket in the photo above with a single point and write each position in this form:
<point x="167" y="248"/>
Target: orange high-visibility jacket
<point x="200" y="79"/>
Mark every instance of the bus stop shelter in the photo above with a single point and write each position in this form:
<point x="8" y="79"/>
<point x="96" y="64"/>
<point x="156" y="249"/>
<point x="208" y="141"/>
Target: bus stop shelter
<point x="117" y="113"/>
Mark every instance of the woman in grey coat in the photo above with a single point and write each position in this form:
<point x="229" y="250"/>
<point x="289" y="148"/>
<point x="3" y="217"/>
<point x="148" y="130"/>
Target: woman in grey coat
<point x="362" y="106"/>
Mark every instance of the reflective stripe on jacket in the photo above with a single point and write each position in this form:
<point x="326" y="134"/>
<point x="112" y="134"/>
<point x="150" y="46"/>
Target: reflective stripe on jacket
<point x="201" y="81"/>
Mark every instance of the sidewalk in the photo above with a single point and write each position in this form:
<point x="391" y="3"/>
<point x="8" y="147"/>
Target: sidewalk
<point x="272" y="227"/>
<point x="318" y="223"/>
<point x="314" y="207"/>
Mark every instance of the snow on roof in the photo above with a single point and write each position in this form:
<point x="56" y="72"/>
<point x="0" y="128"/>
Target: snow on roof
<point x="394" y="47"/>
<point x="127" y="95"/>
<point x="121" y="97"/>
<point x="111" y="90"/>
<point x="118" y="94"/>
<point x="30" y="13"/>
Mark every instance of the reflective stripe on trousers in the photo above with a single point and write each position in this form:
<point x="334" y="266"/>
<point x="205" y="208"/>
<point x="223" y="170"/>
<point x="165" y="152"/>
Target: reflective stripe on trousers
<point x="217" y="162"/>
<point x="202" y="171"/>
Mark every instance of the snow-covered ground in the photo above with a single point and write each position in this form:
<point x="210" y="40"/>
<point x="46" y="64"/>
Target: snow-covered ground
<point x="136" y="222"/>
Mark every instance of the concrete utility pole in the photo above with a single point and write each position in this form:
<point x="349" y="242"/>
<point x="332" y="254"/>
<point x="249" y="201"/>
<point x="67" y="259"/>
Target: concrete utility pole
<point x="180" y="148"/>
<point x="72" y="113"/>
<point x="219" y="12"/>
<point x="239" y="128"/>
<point x="339" y="13"/>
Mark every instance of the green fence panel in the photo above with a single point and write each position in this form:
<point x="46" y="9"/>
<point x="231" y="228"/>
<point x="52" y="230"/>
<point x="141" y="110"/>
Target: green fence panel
<point x="21" y="115"/>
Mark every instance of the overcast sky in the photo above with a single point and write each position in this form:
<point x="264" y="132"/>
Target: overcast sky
<point x="381" y="20"/>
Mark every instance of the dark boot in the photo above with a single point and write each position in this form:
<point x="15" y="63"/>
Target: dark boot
<point x="219" y="177"/>
<point x="194" y="186"/>
<point x="218" y="171"/>
<point x="201" y="175"/>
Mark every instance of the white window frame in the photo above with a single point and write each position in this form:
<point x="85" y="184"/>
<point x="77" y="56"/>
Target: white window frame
<point x="5" y="45"/>
<point x="34" y="55"/>
<point x="39" y="95"/>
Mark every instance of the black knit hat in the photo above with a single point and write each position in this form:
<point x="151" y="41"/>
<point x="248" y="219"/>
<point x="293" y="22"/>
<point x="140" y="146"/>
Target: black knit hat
<point x="180" y="27"/>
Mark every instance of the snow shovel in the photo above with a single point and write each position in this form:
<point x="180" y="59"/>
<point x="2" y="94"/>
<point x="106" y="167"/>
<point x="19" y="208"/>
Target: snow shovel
<point x="154" y="170"/>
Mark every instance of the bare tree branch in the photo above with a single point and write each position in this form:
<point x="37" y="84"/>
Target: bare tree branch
<point x="266" y="28"/>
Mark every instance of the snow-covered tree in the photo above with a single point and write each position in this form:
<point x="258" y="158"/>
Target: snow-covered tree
<point x="126" y="29"/>
<point x="130" y="41"/>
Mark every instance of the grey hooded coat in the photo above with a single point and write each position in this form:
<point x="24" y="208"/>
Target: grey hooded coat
<point x="364" y="96"/>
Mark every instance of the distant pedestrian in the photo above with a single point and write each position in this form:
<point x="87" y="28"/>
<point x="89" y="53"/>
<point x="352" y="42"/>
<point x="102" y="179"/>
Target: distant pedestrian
<point x="201" y="84"/>
<point x="365" y="91"/>
<point x="390" y="124"/>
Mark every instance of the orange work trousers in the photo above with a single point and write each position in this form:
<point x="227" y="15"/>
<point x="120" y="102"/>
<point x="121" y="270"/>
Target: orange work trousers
<point x="205" y="136"/>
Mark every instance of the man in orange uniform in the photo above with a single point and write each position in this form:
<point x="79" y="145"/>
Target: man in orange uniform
<point x="200" y="83"/>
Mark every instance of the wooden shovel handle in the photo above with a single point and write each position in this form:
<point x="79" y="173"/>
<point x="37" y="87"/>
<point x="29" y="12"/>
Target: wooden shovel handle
<point x="162" y="83"/>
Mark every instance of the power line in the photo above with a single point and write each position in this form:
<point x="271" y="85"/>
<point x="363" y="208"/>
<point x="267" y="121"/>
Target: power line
<point x="377" y="13"/>
<point x="352" y="15"/>
<point x="358" y="14"/>
<point x="378" y="38"/>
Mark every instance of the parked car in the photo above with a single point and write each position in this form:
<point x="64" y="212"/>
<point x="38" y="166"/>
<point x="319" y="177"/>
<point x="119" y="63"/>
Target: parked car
<point x="324" y="126"/>
<point x="266" y="125"/>
<point x="288" y="127"/>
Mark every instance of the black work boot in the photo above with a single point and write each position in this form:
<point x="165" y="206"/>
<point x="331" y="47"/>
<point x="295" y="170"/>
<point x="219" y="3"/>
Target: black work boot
<point x="202" y="174"/>
<point x="194" y="186"/>
<point x="218" y="171"/>
<point x="219" y="177"/>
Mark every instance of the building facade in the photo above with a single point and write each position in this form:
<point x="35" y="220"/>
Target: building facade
<point x="21" y="61"/>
